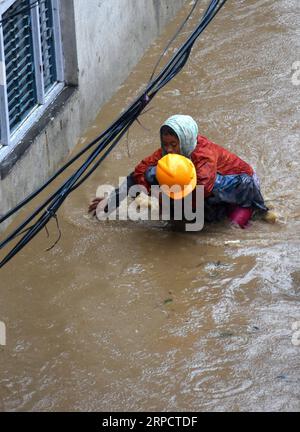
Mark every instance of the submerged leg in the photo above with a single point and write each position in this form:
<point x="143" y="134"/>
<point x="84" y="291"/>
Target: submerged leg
<point x="240" y="215"/>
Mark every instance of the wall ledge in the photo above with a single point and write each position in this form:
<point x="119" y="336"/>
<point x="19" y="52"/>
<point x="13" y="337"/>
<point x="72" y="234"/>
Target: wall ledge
<point x="55" y="108"/>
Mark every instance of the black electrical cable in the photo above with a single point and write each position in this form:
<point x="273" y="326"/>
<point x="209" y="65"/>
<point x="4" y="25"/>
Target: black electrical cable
<point x="34" y="194"/>
<point x="51" y="211"/>
<point x="109" y="139"/>
<point x="129" y="112"/>
<point x="95" y="141"/>
<point x="173" y="38"/>
<point x="185" y="49"/>
<point x="61" y="190"/>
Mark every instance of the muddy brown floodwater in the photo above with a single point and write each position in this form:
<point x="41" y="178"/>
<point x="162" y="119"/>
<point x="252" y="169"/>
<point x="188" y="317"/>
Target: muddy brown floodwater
<point x="132" y="316"/>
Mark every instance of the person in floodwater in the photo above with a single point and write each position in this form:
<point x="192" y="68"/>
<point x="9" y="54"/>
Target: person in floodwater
<point x="231" y="187"/>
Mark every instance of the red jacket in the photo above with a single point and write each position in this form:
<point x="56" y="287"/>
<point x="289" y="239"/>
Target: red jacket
<point x="208" y="158"/>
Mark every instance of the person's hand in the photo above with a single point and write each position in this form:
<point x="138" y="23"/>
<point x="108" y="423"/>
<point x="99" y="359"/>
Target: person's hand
<point x="94" y="204"/>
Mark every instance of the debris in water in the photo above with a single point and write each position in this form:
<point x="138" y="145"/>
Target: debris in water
<point x="226" y="334"/>
<point x="283" y="377"/>
<point x="169" y="300"/>
<point x="270" y="217"/>
<point x="145" y="201"/>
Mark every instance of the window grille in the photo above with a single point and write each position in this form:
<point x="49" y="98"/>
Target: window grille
<point x="30" y="61"/>
<point x="47" y="44"/>
<point x="19" y="63"/>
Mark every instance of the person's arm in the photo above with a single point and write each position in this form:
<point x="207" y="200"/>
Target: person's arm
<point x="139" y="174"/>
<point x="138" y="177"/>
<point x="115" y="198"/>
<point x="119" y="194"/>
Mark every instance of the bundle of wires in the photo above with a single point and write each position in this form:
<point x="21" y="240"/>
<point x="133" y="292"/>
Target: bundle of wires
<point x="102" y="145"/>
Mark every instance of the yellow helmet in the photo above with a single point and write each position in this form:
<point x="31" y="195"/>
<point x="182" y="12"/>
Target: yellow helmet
<point x="176" y="171"/>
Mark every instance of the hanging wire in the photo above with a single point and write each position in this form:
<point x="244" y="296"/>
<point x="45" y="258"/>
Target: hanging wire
<point x="107" y="140"/>
<point x="59" y="234"/>
<point x="173" y="39"/>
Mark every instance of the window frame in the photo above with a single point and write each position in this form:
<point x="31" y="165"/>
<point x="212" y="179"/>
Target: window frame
<point x="9" y="140"/>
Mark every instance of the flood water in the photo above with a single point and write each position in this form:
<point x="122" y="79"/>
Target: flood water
<point x="124" y="316"/>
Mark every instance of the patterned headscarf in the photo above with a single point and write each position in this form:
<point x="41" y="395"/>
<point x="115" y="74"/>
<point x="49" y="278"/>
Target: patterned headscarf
<point x="186" y="129"/>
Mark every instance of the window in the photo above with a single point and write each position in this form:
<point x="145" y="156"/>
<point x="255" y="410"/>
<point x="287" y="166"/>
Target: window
<point x="31" y="70"/>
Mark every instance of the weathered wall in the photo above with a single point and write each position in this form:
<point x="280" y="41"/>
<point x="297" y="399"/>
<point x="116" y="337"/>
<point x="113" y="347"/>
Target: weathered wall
<point x="107" y="50"/>
<point x="102" y="41"/>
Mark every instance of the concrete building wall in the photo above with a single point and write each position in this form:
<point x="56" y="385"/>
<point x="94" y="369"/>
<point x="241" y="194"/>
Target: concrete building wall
<point x="107" y="50"/>
<point x="102" y="41"/>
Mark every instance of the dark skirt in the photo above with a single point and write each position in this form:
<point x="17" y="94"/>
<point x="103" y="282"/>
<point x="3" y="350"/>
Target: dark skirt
<point x="239" y="190"/>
